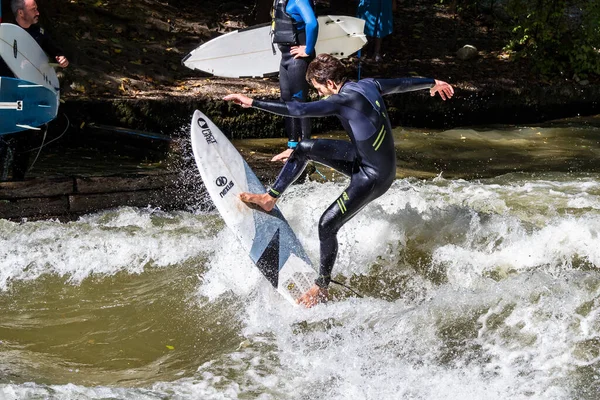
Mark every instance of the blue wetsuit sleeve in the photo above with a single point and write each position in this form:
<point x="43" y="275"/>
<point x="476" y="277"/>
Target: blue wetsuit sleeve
<point x="401" y="85"/>
<point x="311" y="24"/>
<point x="321" y="108"/>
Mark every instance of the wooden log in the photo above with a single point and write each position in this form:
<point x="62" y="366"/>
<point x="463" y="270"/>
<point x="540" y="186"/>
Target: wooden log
<point x="135" y="143"/>
<point x="114" y="184"/>
<point x="36" y="188"/>
<point x="34" y="207"/>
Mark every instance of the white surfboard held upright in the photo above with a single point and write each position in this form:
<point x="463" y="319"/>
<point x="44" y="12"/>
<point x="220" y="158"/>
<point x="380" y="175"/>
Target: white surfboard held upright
<point x="267" y="237"/>
<point x="249" y="53"/>
<point x="25" y="57"/>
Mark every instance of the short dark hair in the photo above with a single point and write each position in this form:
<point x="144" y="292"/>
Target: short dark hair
<point x="326" y="67"/>
<point x="16" y="5"/>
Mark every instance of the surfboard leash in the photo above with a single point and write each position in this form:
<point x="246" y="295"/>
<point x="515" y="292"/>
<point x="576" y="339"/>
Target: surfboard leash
<point x="320" y="173"/>
<point x="39" y="149"/>
<point x="347" y="287"/>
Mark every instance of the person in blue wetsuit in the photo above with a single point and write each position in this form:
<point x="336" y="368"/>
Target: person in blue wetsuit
<point x="379" y="22"/>
<point x="369" y="159"/>
<point x="295" y="31"/>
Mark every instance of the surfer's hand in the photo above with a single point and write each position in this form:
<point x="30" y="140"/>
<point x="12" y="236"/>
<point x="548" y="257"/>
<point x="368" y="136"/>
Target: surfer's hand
<point x="240" y="99"/>
<point x="298" y="51"/>
<point x="62" y="61"/>
<point x="313" y="296"/>
<point x="283" y="156"/>
<point x="444" y="89"/>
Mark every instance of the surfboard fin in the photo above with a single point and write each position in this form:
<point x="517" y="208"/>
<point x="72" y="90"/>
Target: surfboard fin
<point x="28" y="127"/>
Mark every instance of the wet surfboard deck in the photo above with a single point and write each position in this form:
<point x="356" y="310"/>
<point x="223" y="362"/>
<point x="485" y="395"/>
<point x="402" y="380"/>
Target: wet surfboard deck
<point x="249" y="52"/>
<point x="266" y="236"/>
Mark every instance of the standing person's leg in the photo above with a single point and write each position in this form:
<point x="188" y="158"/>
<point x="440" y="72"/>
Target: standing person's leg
<point x="294" y="87"/>
<point x="23" y="144"/>
<point x="14" y="154"/>
<point x="5" y="157"/>
<point x="292" y="130"/>
<point x="299" y="87"/>
<point x="385" y="26"/>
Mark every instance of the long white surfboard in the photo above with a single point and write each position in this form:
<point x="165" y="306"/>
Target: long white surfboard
<point x="267" y="237"/>
<point x="25" y="105"/>
<point x="249" y="53"/>
<point x="25" y="57"/>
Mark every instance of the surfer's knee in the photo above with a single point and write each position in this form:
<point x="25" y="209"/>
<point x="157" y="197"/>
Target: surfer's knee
<point x="329" y="225"/>
<point x="303" y="148"/>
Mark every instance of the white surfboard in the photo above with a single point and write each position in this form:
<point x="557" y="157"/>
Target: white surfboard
<point x="25" y="105"/>
<point x="25" y="57"/>
<point x="249" y="53"/>
<point x="267" y="237"/>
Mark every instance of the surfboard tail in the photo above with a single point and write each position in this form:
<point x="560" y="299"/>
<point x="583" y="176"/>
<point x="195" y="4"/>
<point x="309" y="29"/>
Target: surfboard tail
<point x="25" y="105"/>
<point x="295" y="278"/>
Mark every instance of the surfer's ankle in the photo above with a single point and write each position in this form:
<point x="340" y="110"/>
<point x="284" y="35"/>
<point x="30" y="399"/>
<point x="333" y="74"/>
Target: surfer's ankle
<point x="268" y="202"/>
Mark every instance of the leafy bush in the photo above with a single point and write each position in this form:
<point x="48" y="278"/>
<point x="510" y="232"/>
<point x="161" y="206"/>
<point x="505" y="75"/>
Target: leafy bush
<point x="557" y="36"/>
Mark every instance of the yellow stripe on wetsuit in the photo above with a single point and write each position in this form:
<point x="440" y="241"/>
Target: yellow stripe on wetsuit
<point x="380" y="137"/>
<point x="340" y="201"/>
<point x="342" y="206"/>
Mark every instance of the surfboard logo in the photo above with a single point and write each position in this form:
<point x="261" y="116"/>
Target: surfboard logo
<point x="221" y="181"/>
<point x="225" y="184"/>
<point x="206" y="132"/>
<point x="15" y="49"/>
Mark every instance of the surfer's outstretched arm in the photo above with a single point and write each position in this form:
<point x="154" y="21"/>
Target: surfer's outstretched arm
<point x="320" y="108"/>
<point x="402" y="85"/>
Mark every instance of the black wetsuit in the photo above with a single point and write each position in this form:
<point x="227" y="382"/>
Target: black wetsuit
<point x="292" y="71"/>
<point x="20" y="143"/>
<point x="369" y="159"/>
<point x="45" y="42"/>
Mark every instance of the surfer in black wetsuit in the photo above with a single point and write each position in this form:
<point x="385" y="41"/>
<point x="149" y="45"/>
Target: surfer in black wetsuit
<point x="19" y="144"/>
<point x="369" y="159"/>
<point x="27" y="16"/>
<point x="295" y="30"/>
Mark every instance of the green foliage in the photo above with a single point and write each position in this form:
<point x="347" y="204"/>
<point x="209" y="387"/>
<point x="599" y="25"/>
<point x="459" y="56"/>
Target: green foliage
<point x="557" y="36"/>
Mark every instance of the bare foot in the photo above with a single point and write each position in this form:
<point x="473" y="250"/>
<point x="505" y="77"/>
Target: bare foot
<point x="264" y="201"/>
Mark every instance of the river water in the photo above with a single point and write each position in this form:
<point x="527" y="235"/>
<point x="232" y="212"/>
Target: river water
<point x="478" y="288"/>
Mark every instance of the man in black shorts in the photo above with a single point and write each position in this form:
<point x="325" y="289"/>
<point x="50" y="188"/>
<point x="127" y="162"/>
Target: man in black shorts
<point x="369" y="159"/>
